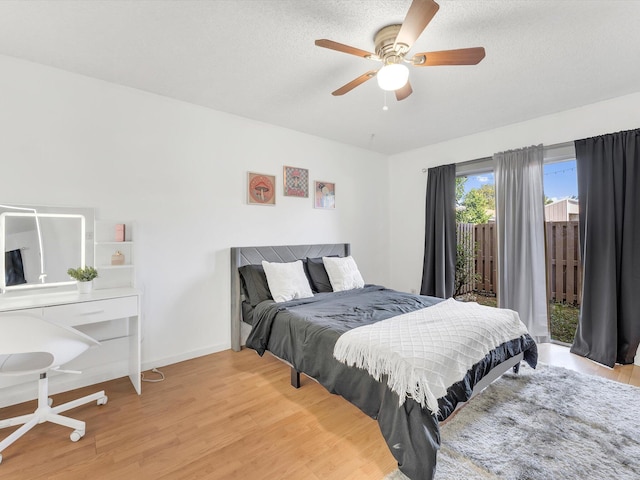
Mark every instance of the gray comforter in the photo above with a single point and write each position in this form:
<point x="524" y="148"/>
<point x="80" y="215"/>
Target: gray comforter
<point x="304" y="332"/>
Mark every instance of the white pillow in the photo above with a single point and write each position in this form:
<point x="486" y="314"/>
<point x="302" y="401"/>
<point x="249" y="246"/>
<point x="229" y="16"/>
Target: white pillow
<point x="287" y="281"/>
<point x="343" y="273"/>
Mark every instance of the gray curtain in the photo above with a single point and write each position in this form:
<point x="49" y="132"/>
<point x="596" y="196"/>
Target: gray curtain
<point x="522" y="284"/>
<point x="13" y="268"/>
<point x="439" y="269"/>
<point x="609" y="198"/>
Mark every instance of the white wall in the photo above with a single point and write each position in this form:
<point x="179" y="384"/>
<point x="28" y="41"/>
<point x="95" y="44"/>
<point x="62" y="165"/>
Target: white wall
<point x="179" y="171"/>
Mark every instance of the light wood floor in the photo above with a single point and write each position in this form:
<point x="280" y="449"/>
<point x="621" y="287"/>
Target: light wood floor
<point x="224" y="416"/>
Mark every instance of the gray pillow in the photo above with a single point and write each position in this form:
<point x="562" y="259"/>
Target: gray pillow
<point x="318" y="275"/>
<point x="254" y="284"/>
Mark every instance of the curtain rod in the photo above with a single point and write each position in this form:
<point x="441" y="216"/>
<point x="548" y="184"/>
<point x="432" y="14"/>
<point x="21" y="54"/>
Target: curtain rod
<point x="486" y="159"/>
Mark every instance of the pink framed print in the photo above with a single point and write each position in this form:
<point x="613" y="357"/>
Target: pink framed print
<point x="261" y="189"/>
<point x="296" y="182"/>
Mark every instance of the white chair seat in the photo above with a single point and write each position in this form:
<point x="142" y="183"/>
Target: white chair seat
<point x="29" y="345"/>
<point x="23" y="363"/>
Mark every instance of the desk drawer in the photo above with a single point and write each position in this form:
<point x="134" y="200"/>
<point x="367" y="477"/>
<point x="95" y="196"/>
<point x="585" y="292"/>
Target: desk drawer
<point x="34" y="312"/>
<point x="91" y="312"/>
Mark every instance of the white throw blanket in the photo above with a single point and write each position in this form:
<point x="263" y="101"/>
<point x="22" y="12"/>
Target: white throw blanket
<point x="424" y="352"/>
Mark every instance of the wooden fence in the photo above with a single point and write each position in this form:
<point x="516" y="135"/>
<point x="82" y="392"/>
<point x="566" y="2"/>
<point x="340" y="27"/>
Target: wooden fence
<point x="564" y="269"/>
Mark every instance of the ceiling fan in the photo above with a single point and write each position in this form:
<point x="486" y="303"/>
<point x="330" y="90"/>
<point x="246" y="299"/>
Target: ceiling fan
<point x="393" y="42"/>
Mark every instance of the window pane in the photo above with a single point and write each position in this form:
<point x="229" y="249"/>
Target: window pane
<point x="564" y="271"/>
<point x="475" y="218"/>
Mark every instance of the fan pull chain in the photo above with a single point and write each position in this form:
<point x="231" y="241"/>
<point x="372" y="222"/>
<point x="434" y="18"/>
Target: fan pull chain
<point x="384" y="107"/>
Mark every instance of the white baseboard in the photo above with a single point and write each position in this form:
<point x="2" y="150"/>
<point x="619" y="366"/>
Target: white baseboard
<point x="24" y="389"/>
<point x="164" y="361"/>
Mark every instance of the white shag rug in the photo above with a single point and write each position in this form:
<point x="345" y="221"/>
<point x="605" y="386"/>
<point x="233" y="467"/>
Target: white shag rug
<point x="545" y="424"/>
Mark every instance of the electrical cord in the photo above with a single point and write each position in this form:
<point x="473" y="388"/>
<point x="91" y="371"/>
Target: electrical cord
<point x="153" y="380"/>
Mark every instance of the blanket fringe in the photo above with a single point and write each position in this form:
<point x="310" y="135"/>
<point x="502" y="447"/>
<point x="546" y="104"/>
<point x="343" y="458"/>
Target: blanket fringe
<point x="406" y="383"/>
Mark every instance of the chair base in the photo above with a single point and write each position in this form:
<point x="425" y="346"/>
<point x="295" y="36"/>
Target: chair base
<point x="46" y="413"/>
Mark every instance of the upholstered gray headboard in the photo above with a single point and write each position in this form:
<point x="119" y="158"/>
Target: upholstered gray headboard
<point x="255" y="255"/>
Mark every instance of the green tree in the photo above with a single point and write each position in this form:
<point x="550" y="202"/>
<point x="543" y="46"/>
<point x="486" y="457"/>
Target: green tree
<point x="460" y="182"/>
<point x="477" y="206"/>
<point x="465" y="266"/>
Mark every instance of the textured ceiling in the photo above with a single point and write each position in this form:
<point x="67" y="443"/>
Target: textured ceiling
<point x="257" y="59"/>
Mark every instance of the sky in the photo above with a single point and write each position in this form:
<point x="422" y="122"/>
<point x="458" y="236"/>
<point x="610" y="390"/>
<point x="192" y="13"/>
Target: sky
<point x="559" y="180"/>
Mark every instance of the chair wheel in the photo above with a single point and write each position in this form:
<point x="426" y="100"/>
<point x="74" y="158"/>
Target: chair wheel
<point x="103" y="400"/>
<point x="76" y="435"/>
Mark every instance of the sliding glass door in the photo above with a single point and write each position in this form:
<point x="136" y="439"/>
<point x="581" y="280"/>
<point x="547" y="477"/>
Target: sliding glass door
<point x="476" y="276"/>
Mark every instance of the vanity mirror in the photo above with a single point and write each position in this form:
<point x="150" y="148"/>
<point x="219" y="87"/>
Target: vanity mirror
<point x="40" y="243"/>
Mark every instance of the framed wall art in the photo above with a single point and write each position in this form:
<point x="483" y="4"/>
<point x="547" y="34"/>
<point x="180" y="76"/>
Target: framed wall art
<point x="325" y="194"/>
<point x="261" y="189"/>
<point x="296" y="182"/>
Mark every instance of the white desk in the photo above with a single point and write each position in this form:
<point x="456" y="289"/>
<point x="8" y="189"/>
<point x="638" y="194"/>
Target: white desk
<point x="112" y="316"/>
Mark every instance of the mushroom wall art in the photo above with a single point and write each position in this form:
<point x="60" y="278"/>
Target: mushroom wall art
<point x="261" y="189"/>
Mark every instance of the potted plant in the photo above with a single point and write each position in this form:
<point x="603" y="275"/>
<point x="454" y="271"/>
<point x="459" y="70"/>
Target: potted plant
<point x="84" y="276"/>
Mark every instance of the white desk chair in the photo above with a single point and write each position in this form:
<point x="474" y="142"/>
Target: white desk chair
<point x="29" y="345"/>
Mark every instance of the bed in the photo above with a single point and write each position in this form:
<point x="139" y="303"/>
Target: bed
<point x="303" y="333"/>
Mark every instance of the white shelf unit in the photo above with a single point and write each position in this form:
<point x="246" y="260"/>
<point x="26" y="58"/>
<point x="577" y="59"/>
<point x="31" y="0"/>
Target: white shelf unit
<point x="113" y="276"/>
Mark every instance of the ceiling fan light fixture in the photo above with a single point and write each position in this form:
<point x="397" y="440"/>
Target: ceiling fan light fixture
<point x="393" y="76"/>
<point x="393" y="43"/>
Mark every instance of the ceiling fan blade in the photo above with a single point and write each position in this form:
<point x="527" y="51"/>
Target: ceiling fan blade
<point x="462" y="56"/>
<point x="345" y="48"/>
<point x="418" y="17"/>
<point x="354" y="83"/>
<point x="404" y="92"/>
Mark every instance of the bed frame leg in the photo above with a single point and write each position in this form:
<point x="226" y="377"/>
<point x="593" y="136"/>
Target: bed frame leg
<point x="295" y="378"/>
